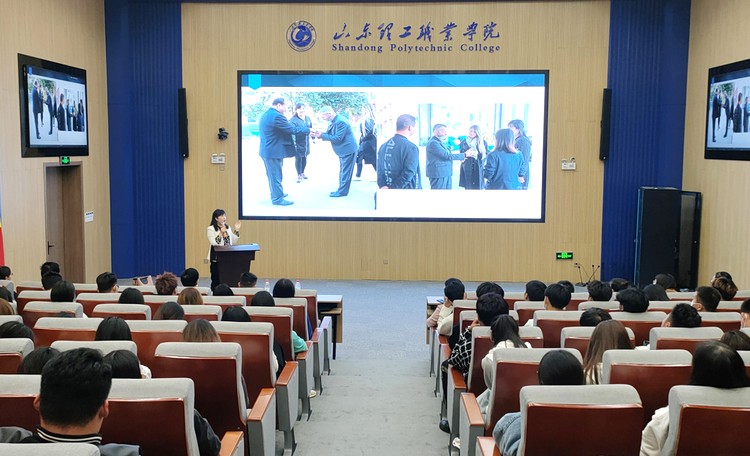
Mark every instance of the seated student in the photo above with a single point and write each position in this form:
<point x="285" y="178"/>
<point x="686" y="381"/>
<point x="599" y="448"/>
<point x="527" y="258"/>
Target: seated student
<point x="200" y="330"/>
<point x="264" y="299"/>
<point x="655" y="292"/>
<point x="432" y="320"/>
<point x="34" y="362"/>
<point x="608" y="335"/>
<point x="556" y="297"/>
<point x="15" y="330"/>
<point x="166" y="284"/>
<point x="632" y="300"/>
<point x="706" y="299"/>
<point x="682" y="316"/>
<point x="593" y="316"/>
<point x="737" y="340"/>
<point x="223" y="289"/>
<point x="189" y="277"/>
<point x="504" y="335"/>
<point x="7" y="274"/>
<point x="534" y="290"/>
<point x="72" y="402"/>
<point x="714" y="364"/>
<point x="190" y="296"/>
<point x="47" y="267"/>
<point x="238" y="314"/>
<point x="454" y="290"/>
<point x="718" y="274"/>
<point x="489" y="287"/>
<point x="666" y="281"/>
<point x="6" y="294"/>
<point x="125" y="364"/>
<point x="619" y="284"/>
<point x="558" y="367"/>
<point x="115" y="328"/>
<point x="599" y="291"/>
<point x="106" y="282"/>
<point x="284" y="288"/>
<point x="131" y="296"/>
<point x="745" y="314"/>
<point x="247" y="280"/>
<point x="568" y="286"/>
<point x="6" y="308"/>
<point x="50" y="279"/>
<point x="63" y="291"/>
<point x="170" y="310"/>
<point x="725" y="287"/>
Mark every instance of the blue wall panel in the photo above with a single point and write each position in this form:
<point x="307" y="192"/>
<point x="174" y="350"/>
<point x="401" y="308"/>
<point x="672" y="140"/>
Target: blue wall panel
<point x="648" y="54"/>
<point x="144" y="71"/>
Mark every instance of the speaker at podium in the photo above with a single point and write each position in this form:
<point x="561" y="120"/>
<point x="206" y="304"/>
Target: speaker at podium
<point x="233" y="260"/>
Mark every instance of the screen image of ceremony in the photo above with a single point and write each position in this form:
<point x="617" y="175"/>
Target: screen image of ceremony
<point x="429" y="138"/>
<point x="57" y="109"/>
<point x="729" y="112"/>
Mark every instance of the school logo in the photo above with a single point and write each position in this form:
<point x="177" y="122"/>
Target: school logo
<point x="300" y="36"/>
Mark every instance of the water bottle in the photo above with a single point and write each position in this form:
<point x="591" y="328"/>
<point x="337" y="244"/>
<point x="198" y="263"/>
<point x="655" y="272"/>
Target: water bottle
<point x="267" y="286"/>
<point x="297" y="285"/>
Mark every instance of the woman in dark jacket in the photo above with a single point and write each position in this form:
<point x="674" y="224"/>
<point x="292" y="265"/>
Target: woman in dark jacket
<point x="301" y="140"/>
<point x="504" y="167"/>
<point x="471" y="169"/>
<point x="368" y="146"/>
<point x="523" y="144"/>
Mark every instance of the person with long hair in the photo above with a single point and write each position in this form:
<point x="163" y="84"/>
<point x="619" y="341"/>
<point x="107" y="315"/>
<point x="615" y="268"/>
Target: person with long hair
<point x="190" y="296"/>
<point x="608" y="335"/>
<point x="218" y="233"/>
<point x="504" y="335"/>
<point x="200" y="330"/>
<point x="504" y="167"/>
<point x="301" y="139"/>
<point x="475" y="148"/>
<point x="523" y="144"/>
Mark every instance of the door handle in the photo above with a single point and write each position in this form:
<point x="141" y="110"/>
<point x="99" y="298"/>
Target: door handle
<point x="49" y="246"/>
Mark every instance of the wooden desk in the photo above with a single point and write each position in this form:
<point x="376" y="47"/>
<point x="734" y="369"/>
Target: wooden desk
<point x="333" y="306"/>
<point x="432" y="303"/>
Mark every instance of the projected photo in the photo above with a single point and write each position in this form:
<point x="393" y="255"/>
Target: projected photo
<point x="428" y="147"/>
<point x="57" y="109"/>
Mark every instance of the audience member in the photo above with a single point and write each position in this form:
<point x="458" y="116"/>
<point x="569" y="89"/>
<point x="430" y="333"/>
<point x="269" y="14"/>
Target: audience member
<point x="632" y="300"/>
<point x="283" y="288"/>
<point x="50" y="279"/>
<point x="725" y="287"/>
<point x="223" y="289"/>
<point x="568" y="286"/>
<point x="124" y="363"/>
<point x="608" y="335"/>
<point x="15" y="330"/>
<point x="49" y="266"/>
<point x="106" y="282"/>
<point x="63" y="291"/>
<point x="34" y="362"/>
<point x="738" y="340"/>
<point x="745" y="314"/>
<point x="619" y="284"/>
<point x="170" y="310"/>
<point x="489" y="287"/>
<point x="432" y="320"/>
<point x="556" y="297"/>
<point x="264" y="299"/>
<point x="718" y="274"/>
<point x="166" y="284"/>
<point x="113" y="328"/>
<point x="558" y="367"/>
<point x="714" y="364"/>
<point x="504" y="335"/>
<point x="131" y="296"/>
<point x="593" y="316"/>
<point x="5" y="273"/>
<point x="6" y="308"/>
<point x="534" y="290"/>
<point x="599" y="291"/>
<point x="189" y="277"/>
<point x="682" y="316"/>
<point x="190" y="296"/>
<point x="247" y="280"/>
<point x="666" y="281"/>
<point x="453" y="291"/>
<point x="706" y="299"/>
<point x="200" y="330"/>
<point x="6" y="294"/>
<point x="655" y="292"/>
<point x="238" y="314"/>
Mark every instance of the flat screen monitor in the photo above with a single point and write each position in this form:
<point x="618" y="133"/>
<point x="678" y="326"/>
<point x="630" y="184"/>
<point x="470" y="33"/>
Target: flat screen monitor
<point x="53" y="110"/>
<point x="728" y="112"/>
<point x="474" y="181"/>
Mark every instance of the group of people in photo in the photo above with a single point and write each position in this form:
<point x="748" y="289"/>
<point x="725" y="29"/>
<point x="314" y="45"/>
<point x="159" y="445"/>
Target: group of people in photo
<point x="734" y="106"/>
<point x="503" y="165"/>
<point x="62" y="112"/>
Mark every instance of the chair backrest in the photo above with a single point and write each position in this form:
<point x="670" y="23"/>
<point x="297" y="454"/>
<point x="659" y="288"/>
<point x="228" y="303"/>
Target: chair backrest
<point x="49" y="449"/>
<point x="17" y="393"/>
<point x="248" y="293"/>
<point x="664" y="306"/>
<point x="124" y="311"/>
<point x="104" y="346"/>
<point x="90" y="300"/>
<point x="578" y="337"/>
<point x="595" y="409"/>
<point x="481" y="337"/>
<point x="533" y="335"/>
<point x="681" y="295"/>
<point x="641" y="323"/>
<point x="729" y="306"/>
<point x="7" y="318"/>
<point x="682" y="338"/>
<point x="526" y="310"/>
<point x="256" y="340"/>
<point x="34" y="310"/>
<point x="281" y="319"/>
<point x="148" y="334"/>
<point x="299" y="306"/>
<point x="461" y="305"/>
<point x="154" y="301"/>
<point x="50" y="329"/>
<point x="609" y="306"/>
<point x="12" y="352"/>
<point x="27" y="296"/>
<point x="85" y="288"/>
<point x="29" y="285"/>
<point x="205" y="291"/>
<point x="216" y="371"/>
<point x="651" y="372"/>
<point x="727" y="321"/>
<point x="512" y="297"/>
<point x="691" y="407"/>
<point x="553" y="321"/>
<point x="156" y="414"/>
<point x="468" y="316"/>
<point x="514" y="369"/>
<point x="312" y="304"/>
<point x="741" y="295"/>
<point x="144" y="289"/>
<point x="205" y="312"/>
<point x="576" y="299"/>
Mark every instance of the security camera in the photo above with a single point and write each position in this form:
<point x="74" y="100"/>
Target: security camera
<point x="223" y="134"/>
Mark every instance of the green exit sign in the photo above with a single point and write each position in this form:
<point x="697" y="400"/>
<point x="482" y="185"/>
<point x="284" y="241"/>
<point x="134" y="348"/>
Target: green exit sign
<point x="64" y="160"/>
<point x="564" y="255"/>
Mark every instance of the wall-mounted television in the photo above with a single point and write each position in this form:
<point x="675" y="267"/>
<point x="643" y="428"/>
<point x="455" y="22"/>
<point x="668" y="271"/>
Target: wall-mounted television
<point x="462" y="101"/>
<point x="54" y="111"/>
<point x="728" y="112"/>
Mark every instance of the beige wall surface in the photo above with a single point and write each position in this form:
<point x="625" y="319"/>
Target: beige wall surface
<point x="71" y="33"/>
<point x="570" y="39"/>
<point x="718" y="33"/>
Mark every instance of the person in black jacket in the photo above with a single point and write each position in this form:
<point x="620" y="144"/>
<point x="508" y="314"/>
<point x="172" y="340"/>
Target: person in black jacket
<point x="61" y="115"/>
<point x="368" y="145"/>
<point x="344" y="145"/>
<point x="398" y="158"/>
<point x="36" y="107"/>
<point x="475" y="148"/>
<point x="301" y="140"/>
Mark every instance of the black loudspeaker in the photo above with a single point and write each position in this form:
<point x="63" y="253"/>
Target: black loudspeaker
<point x="667" y="235"/>
<point x="182" y="122"/>
<point x="605" y="124"/>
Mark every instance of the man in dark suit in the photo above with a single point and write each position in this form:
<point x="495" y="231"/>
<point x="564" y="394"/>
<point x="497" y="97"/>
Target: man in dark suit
<point x="440" y="159"/>
<point x="729" y="110"/>
<point x="61" y="115"/>
<point x="49" y="101"/>
<point x="36" y="107"/>
<point x="275" y="145"/>
<point x="342" y="140"/>
<point x="715" y="112"/>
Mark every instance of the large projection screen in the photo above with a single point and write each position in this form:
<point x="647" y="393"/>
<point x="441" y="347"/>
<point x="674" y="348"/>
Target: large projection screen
<point x="485" y="101"/>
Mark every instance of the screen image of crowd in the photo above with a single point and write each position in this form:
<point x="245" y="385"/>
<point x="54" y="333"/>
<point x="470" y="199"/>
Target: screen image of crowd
<point x="55" y="107"/>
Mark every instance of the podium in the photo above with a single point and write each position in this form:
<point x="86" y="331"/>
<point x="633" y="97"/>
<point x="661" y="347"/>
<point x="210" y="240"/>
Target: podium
<point x="233" y="260"/>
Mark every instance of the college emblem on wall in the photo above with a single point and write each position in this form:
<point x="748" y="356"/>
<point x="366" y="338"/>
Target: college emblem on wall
<point x="301" y="36"/>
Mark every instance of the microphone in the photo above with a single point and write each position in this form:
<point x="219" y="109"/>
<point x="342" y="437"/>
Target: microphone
<point x="580" y="276"/>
